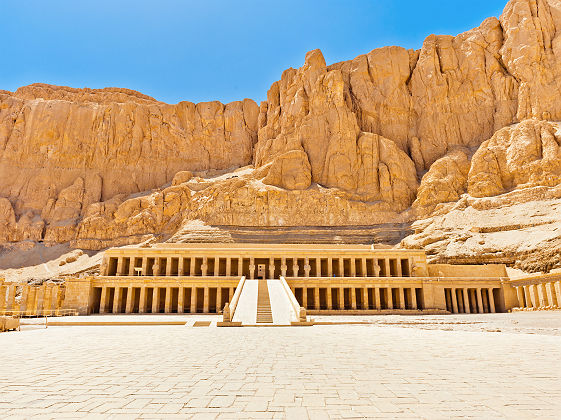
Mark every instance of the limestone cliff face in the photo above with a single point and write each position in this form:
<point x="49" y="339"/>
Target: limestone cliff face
<point x="393" y="135"/>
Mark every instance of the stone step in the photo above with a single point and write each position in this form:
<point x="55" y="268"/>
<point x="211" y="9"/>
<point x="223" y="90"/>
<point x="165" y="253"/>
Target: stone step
<point x="264" y="313"/>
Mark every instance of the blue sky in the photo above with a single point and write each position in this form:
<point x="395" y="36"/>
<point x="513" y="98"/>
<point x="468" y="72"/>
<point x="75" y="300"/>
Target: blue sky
<point x="223" y="50"/>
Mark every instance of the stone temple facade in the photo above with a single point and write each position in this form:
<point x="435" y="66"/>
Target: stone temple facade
<point x="310" y="279"/>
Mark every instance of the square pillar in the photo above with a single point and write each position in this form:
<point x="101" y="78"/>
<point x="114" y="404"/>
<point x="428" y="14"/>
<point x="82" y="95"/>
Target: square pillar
<point x="206" y="300"/>
<point x="390" y="298"/>
<point x="283" y="267"/>
<point x="329" y="298"/>
<point x="466" y="301"/>
<point x="155" y="300"/>
<point x="557" y="287"/>
<point x="377" y="301"/>
<point x="341" y="298"/>
<point x="218" y="299"/>
<point x="192" y="266"/>
<point x="454" y="301"/>
<point x="193" y="299"/>
<point x="551" y="297"/>
<point x="330" y="267"/>
<point x="117" y="300"/>
<point x="414" y="298"/>
<point x="365" y="303"/>
<point x="341" y="267"/>
<point x="167" y="307"/>
<point x="103" y="303"/>
<point x="3" y="293"/>
<point x="364" y="270"/>
<point x="119" y="266"/>
<point x="180" y="300"/>
<point x="240" y="267"/>
<point x="520" y="296"/>
<point x="305" y="297"/>
<point x="168" y="267"/>
<point x="144" y="265"/>
<point x="353" y="268"/>
<point x="204" y="267"/>
<point x="387" y="264"/>
<point x="542" y="295"/>
<point x="252" y="268"/>
<point x="398" y="264"/>
<point x="228" y="266"/>
<point x="131" y="266"/>
<point x="316" y="298"/>
<point x="142" y="305"/>
<point x="401" y="295"/>
<point x="130" y="300"/>
<point x="216" y="266"/>
<point x="491" y="300"/>
<point x="318" y="267"/>
<point x="353" y="297"/>
<point x="527" y="296"/>
<point x="180" y="267"/>
<point x="272" y="268"/>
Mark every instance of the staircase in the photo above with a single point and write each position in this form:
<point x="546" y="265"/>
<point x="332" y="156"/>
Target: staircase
<point x="264" y="313"/>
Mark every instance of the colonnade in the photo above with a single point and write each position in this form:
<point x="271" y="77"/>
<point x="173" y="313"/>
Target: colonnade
<point x="467" y="300"/>
<point x="257" y="267"/>
<point x="30" y="300"/>
<point x="359" y="298"/>
<point x="539" y="295"/>
<point x="154" y="299"/>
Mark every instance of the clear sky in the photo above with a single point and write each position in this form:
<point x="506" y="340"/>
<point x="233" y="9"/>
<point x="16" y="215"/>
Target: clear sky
<point x="205" y="50"/>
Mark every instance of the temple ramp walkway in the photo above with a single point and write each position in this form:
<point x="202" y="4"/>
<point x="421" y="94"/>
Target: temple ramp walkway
<point x="246" y="310"/>
<point x="283" y="314"/>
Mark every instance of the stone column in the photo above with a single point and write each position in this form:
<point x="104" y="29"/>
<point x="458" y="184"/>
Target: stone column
<point x="181" y="300"/>
<point x="341" y="298"/>
<point x="283" y="267"/>
<point x="40" y="301"/>
<point x="551" y="298"/>
<point x="168" y="266"/>
<point x="167" y="307"/>
<point x="204" y="266"/>
<point x="365" y="303"/>
<point x="307" y="267"/>
<point x="520" y="296"/>
<point x="466" y="301"/>
<point x="142" y="304"/>
<point x="341" y="267"/>
<point x="193" y="300"/>
<point x="305" y="297"/>
<point x="103" y="303"/>
<point x="216" y="267"/>
<point x="218" y="299"/>
<point x="401" y="296"/>
<point x="454" y="301"/>
<point x="557" y="287"/>
<point x="480" y="308"/>
<point x="144" y="266"/>
<point x="119" y="266"/>
<point x="414" y="298"/>
<point x="377" y="301"/>
<point x="535" y="296"/>
<point x="240" y="267"/>
<point x="387" y="264"/>
<point x="398" y="267"/>
<point x="364" y="269"/>
<point x="117" y="300"/>
<point x="318" y="267"/>
<point x="330" y="267"/>
<point x="3" y="298"/>
<point x="130" y="300"/>
<point x="192" y="266"/>
<point x="252" y="268"/>
<point x="206" y="300"/>
<point x="329" y="298"/>
<point x="353" y="295"/>
<point x="542" y="295"/>
<point x="180" y="266"/>
<point x="491" y="300"/>
<point x="316" y="298"/>
<point x="528" y="296"/>
<point x="23" y="300"/>
<point x="272" y="268"/>
<point x="353" y="267"/>
<point x="131" y="266"/>
<point x="229" y="266"/>
<point x="377" y="269"/>
<point x="390" y="298"/>
<point x="155" y="300"/>
<point x="156" y="267"/>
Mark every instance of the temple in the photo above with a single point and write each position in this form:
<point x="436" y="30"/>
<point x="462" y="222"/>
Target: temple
<point x="309" y="279"/>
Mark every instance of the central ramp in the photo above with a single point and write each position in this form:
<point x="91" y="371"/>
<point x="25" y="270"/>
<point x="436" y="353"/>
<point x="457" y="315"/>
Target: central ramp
<point x="265" y="302"/>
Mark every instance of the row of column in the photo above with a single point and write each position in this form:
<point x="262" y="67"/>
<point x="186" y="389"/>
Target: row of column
<point x="275" y="267"/>
<point x="34" y="300"/>
<point x="547" y="294"/>
<point x="470" y="300"/>
<point x="149" y="299"/>
<point x="353" y="298"/>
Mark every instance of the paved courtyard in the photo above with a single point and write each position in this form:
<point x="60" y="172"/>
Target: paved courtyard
<point x="436" y="369"/>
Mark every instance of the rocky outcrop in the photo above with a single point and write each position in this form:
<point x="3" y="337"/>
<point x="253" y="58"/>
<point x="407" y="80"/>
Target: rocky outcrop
<point x="465" y="124"/>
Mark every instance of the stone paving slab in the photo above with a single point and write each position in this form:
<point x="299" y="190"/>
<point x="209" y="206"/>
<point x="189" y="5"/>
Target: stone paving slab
<point x="319" y="372"/>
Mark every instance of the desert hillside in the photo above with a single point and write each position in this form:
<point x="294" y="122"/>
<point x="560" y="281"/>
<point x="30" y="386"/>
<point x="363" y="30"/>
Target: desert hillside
<point x="454" y="147"/>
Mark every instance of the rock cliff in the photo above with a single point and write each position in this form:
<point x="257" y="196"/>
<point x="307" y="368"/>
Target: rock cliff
<point x="441" y="137"/>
